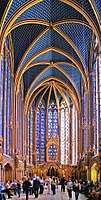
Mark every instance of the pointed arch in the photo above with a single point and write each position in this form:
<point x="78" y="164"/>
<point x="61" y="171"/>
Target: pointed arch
<point x="26" y="64"/>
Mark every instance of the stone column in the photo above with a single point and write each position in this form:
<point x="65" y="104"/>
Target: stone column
<point x="34" y="138"/>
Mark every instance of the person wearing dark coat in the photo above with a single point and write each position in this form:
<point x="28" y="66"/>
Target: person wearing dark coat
<point x="26" y="187"/>
<point x="36" y="186"/>
<point x="63" y="182"/>
<point x="76" y="189"/>
<point x="41" y="185"/>
<point x="19" y="188"/>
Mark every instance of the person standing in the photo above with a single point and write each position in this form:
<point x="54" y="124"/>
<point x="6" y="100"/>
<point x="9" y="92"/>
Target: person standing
<point x="19" y="188"/>
<point x="26" y="187"/>
<point x="31" y="187"/>
<point x="70" y="188"/>
<point x="53" y="185"/>
<point x="48" y="183"/>
<point x="36" y="186"/>
<point x="7" y="189"/>
<point x="62" y="183"/>
<point x="76" y="189"/>
<point x="41" y="185"/>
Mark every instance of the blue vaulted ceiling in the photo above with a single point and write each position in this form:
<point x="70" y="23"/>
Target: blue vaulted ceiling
<point x="2" y="7"/>
<point x="31" y="74"/>
<point x="22" y="39"/>
<point x="73" y="73"/>
<point x="80" y="35"/>
<point x="52" y="32"/>
<point x="15" y="5"/>
<point x="51" y="10"/>
<point x="98" y="6"/>
<point x="51" y="72"/>
<point x="52" y="56"/>
<point x="86" y="4"/>
<point x="53" y="39"/>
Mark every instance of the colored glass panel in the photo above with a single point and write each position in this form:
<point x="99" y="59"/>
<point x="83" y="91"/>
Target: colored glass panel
<point x="84" y="120"/>
<point x="40" y="133"/>
<point x="95" y="107"/>
<point x="52" y="152"/>
<point x="74" y="135"/>
<point x="8" y="104"/>
<point x="20" y="121"/>
<point x="1" y="94"/>
<point x="99" y="64"/>
<point x="64" y="133"/>
<point x="52" y="120"/>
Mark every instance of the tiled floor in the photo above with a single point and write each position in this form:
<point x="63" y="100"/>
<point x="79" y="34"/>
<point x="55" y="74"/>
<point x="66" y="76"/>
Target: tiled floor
<point x="58" y="196"/>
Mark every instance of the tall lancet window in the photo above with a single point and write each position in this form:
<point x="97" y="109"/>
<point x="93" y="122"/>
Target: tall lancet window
<point x="74" y="135"/>
<point x="30" y="133"/>
<point x="52" y="120"/>
<point x="6" y="89"/>
<point x="20" y="119"/>
<point x="64" y="133"/>
<point x="84" y="120"/>
<point x="1" y="93"/>
<point x="95" y="108"/>
<point x="99" y="64"/>
<point x="40" y="133"/>
<point x="8" y="103"/>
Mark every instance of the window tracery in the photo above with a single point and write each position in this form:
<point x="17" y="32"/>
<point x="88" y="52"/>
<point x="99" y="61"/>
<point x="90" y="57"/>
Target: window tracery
<point x="74" y="135"/>
<point x="40" y="133"/>
<point x="5" y="98"/>
<point x="52" y="120"/>
<point x="64" y="133"/>
<point x="95" y="107"/>
<point x="52" y="153"/>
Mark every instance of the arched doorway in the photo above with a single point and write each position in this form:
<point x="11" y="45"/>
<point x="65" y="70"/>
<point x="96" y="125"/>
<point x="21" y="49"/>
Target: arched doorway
<point x="8" y="172"/>
<point x="52" y="171"/>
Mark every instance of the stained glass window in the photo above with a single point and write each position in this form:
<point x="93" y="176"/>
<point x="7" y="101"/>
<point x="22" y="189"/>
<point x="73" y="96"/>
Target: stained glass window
<point x="84" y="120"/>
<point x="52" y="153"/>
<point x="31" y="133"/>
<point x="95" y="107"/>
<point x="5" y="100"/>
<point x="40" y="133"/>
<point x="8" y="103"/>
<point x="64" y="133"/>
<point x="1" y="93"/>
<point x="52" y="120"/>
<point x="99" y="64"/>
<point x="74" y="135"/>
<point x="5" y="106"/>
<point x="20" y="120"/>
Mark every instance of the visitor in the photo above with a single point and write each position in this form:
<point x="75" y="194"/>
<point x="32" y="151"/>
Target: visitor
<point x="31" y="187"/>
<point x="36" y="186"/>
<point x="14" y="186"/>
<point x="7" y="189"/>
<point x="76" y="188"/>
<point x="53" y="185"/>
<point x="26" y="187"/>
<point x="48" y="183"/>
<point x="69" y="188"/>
<point x="62" y="183"/>
<point x="19" y="188"/>
<point x="41" y="185"/>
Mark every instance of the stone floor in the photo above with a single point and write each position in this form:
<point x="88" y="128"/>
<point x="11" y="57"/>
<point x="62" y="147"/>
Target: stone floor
<point x="58" y="196"/>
